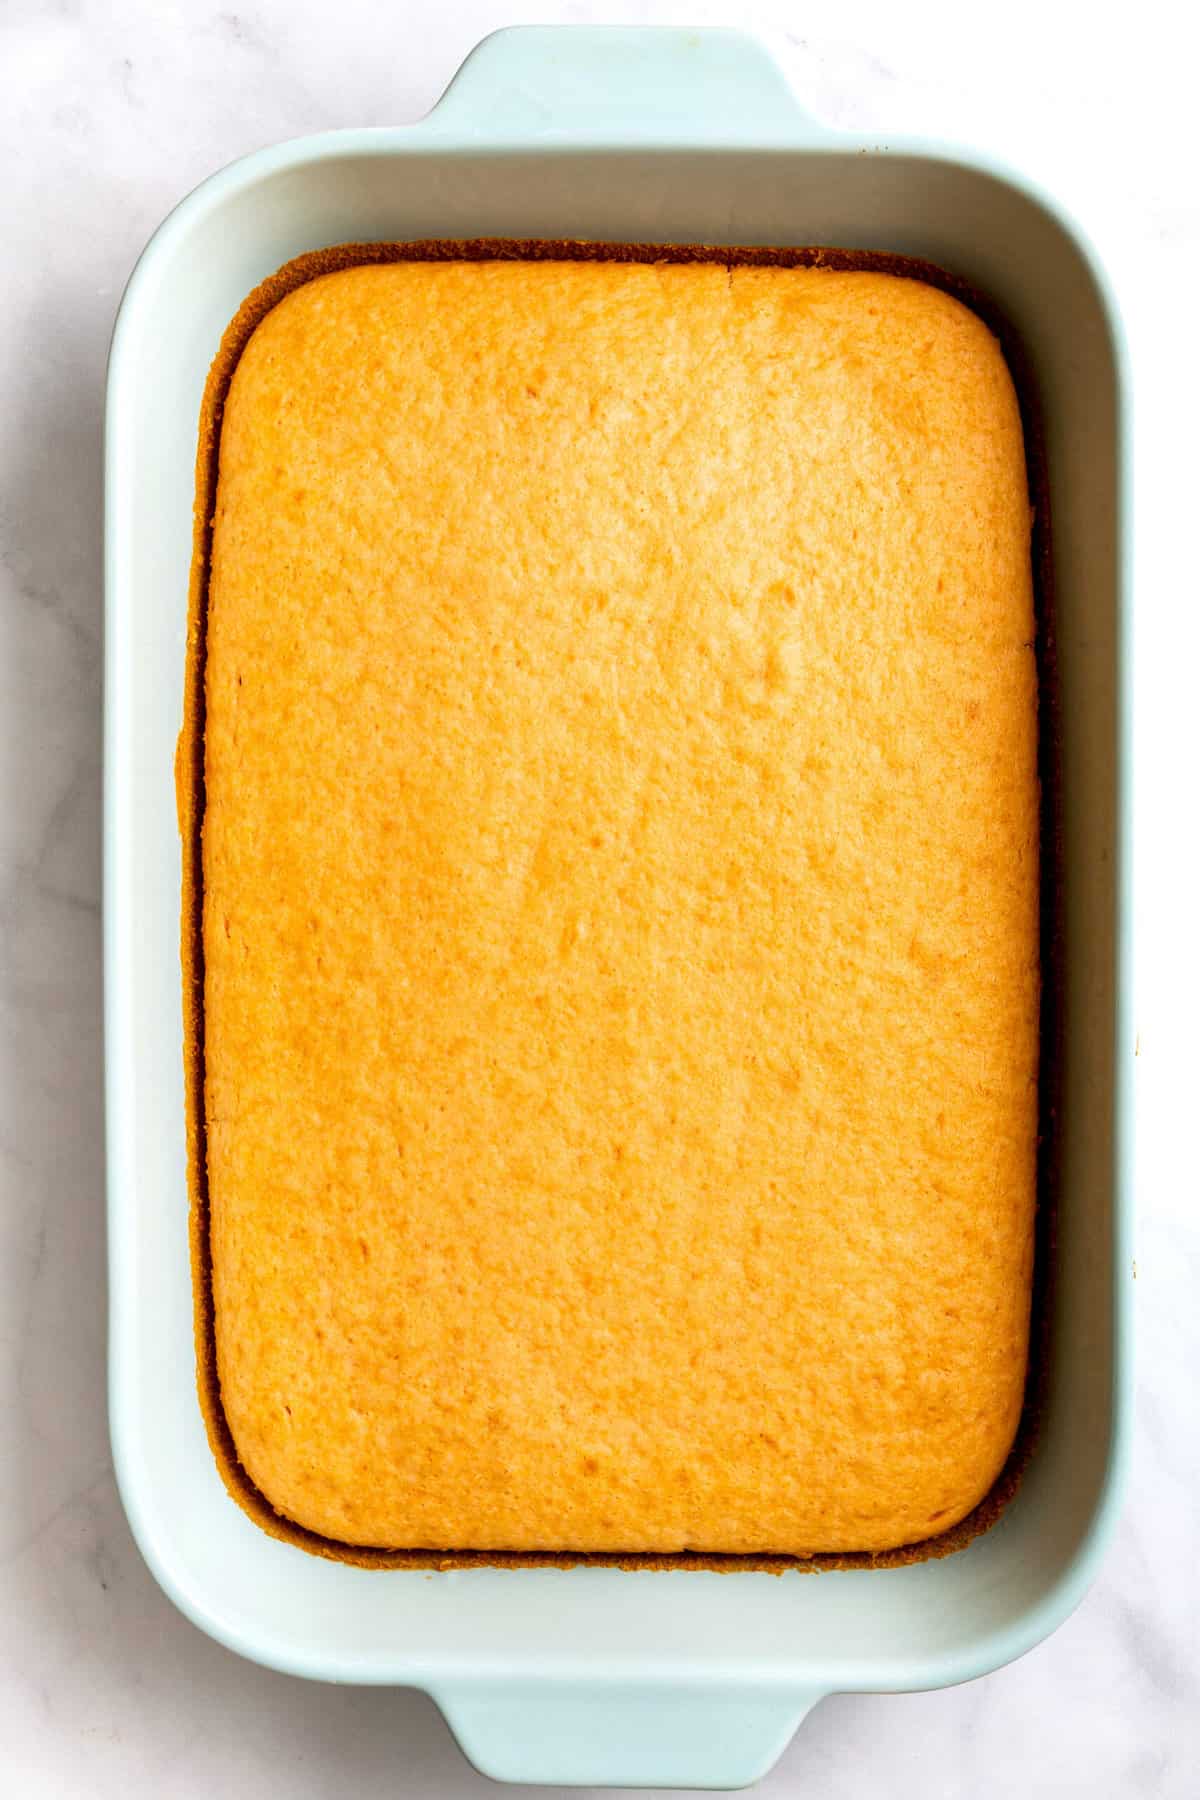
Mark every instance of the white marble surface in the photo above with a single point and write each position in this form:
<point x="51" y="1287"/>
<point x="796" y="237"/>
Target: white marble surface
<point x="109" y="111"/>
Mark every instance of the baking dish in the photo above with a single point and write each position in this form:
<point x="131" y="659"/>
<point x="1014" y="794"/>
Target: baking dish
<point x="598" y="1675"/>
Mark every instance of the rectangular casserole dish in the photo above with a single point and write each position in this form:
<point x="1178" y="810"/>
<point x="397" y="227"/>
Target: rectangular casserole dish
<point x="599" y="1676"/>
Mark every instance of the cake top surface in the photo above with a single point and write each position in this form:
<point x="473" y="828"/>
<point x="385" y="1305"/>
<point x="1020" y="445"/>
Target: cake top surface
<point x="619" y="908"/>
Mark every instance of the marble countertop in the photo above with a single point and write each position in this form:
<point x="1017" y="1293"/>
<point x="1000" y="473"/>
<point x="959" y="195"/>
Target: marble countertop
<point x="110" y="110"/>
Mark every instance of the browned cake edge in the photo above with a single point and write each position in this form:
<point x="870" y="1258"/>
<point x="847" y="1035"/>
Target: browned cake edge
<point x="190" y="792"/>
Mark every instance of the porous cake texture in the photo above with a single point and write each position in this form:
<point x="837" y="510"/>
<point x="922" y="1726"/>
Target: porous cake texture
<point x="619" y="887"/>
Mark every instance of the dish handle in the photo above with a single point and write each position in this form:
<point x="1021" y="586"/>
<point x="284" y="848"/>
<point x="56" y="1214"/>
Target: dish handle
<point x="622" y="86"/>
<point x="597" y="1734"/>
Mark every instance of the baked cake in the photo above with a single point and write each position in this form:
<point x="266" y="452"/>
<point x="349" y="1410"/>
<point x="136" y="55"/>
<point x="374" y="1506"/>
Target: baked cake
<point x="618" y="1032"/>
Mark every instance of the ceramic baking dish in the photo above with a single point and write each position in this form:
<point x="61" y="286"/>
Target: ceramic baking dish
<point x="595" y="1675"/>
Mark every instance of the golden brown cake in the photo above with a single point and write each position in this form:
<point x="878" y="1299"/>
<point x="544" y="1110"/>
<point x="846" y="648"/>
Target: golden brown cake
<point x="619" y="909"/>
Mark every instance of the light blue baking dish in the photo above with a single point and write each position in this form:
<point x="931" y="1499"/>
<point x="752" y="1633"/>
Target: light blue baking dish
<point x="596" y="1676"/>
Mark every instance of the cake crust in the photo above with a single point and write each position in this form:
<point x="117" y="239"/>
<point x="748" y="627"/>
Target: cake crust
<point x="550" y="876"/>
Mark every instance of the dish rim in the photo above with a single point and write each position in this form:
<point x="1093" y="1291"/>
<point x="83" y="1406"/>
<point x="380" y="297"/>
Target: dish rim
<point x="443" y="136"/>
